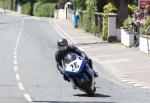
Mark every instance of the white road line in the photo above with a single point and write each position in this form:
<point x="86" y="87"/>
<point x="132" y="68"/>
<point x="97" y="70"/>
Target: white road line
<point x="16" y="46"/>
<point x="15" y="49"/>
<point x="18" y="38"/>
<point x="27" y="96"/>
<point x="17" y="76"/>
<point x="15" y="52"/>
<point x="15" y="68"/>
<point x="15" y="62"/>
<point x="20" y="85"/>
<point x="17" y="43"/>
<point x="15" y="57"/>
<point x="20" y="30"/>
<point x="66" y="34"/>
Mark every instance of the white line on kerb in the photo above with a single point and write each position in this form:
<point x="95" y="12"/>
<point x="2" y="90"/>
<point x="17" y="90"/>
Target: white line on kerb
<point x="17" y="76"/>
<point x="27" y="96"/>
<point x="137" y="85"/>
<point x="20" y="86"/>
<point x="125" y="80"/>
<point x="130" y="82"/>
<point x="58" y="29"/>
<point x="145" y="87"/>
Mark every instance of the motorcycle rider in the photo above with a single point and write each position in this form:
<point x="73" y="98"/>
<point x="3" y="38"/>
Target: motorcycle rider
<point x="64" y="48"/>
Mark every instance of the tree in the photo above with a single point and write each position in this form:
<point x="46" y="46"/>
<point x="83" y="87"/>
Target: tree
<point x="82" y="4"/>
<point x="100" y="4"/>
<point x="14" y="5"/>
<point x="90" y="17"/>
<point x="122" y="10"/>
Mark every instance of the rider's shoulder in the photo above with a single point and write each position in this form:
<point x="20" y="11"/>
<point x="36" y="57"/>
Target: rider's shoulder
<point x="57" y="52"/>
<point x="72" y="46"/>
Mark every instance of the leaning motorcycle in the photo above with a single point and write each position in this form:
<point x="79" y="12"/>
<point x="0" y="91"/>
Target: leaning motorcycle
<point x="79" y="73"/>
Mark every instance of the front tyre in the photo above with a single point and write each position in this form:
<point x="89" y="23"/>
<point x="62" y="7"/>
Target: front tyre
<point x="86" y="86"/>
<point x="91" y="92"/>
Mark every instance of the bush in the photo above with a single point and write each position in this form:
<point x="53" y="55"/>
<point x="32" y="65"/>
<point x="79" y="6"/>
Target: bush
<point x="127" y="24"/>
<point x="145" y="26"/>
<point x="89" y="17"/>
<point x="44" y="10"/>
<point x="105" y="28"/>
<point x="36" y="9"/>
<point x="131" y="9"/>
<point x="26" y="8"/>
<point x="109" y="8"/>
<point x="49" y="8"/>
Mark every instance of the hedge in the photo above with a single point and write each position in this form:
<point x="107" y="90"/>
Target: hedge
<point x="7" y="4"/>
<point x="1" y="4"/>
<point x="26" y="8"/>
<point x="44" y="10"/>
<point x="36" y="9"/>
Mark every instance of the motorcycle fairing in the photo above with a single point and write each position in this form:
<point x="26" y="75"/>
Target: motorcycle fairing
<point x="72" y="69"/>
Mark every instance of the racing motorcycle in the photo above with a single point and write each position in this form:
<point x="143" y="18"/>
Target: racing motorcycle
<point x="79" y="73"/>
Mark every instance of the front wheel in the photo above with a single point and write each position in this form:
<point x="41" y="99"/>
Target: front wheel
<point x="86" y="86"/>
<point x="91" y="92"/>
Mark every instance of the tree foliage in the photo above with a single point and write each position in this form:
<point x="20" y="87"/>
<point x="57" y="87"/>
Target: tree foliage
<point x="109" y="8"/>
<point x="26" y="8"/>
<point x="60" y="4"/>
<point x="100" y="4"/>
<point x="39" y="9"/>
<point x="90" y="18"/>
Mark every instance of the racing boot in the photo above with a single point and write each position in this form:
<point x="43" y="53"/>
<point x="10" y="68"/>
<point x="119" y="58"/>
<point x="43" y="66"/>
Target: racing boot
<point x="95" y="74"/>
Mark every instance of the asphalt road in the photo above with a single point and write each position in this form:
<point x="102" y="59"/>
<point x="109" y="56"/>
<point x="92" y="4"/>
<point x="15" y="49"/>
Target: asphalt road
<point x="28" y="72"/>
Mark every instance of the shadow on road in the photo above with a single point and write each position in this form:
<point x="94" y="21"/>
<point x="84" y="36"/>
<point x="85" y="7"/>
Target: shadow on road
<point x="3" y="23"/>
<point x="79" y="44"/>
<point x="95" y="95"/>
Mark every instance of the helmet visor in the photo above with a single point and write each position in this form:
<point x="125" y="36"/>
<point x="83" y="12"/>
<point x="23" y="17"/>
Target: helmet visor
<point x="62" y="47"/>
